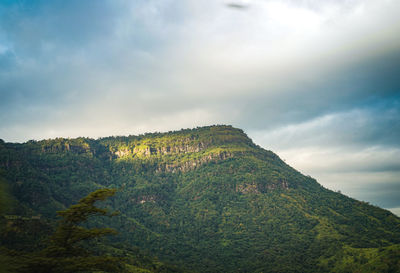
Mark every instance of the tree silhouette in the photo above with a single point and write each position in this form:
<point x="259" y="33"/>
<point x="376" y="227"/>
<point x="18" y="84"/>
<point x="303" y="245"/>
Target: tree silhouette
<point x="66" y="252"/>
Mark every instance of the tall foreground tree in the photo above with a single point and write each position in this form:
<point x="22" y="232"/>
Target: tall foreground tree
<point x="66" y="252"/>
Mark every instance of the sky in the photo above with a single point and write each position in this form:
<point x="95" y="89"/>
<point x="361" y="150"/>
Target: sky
<point x="317" y="82"/>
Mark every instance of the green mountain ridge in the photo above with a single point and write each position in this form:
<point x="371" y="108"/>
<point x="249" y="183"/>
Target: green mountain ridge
<point x="205" y="199"/>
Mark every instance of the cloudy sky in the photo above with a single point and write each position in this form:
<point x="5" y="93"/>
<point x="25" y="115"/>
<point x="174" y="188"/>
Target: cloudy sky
<point x="317" y="82"/>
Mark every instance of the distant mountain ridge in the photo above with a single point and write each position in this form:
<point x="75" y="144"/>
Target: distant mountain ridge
<point x="206" y="199"/>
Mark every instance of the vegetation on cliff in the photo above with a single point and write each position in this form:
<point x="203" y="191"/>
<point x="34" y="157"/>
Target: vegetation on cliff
<point x="206" y="199"/>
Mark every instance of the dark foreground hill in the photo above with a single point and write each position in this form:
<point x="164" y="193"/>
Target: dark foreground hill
<point x="206" y="199"/>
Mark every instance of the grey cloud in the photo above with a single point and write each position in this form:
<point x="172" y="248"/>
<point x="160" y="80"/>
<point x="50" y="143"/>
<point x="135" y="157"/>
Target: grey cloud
<point x="357" y="128"/>
<point x="375" y="192"/>
<point x="345" y="159"/>
<point x="378" y="188"/>
<point x="360" y="86"/>
<point x="124" y="62"/>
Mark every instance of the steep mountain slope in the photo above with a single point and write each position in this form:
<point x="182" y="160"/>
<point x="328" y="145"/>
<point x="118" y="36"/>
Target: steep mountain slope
<point x="207" y="199"/>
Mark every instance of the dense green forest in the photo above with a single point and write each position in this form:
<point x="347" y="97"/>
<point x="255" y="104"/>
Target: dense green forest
<point x="199" y="200"/>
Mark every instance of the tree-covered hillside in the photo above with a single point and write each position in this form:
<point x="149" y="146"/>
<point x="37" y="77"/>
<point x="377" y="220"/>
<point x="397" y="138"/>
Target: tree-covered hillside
<point x="206" y="199"/>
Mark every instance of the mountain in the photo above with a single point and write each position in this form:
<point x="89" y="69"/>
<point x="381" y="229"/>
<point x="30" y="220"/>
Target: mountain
<point x="205" y="199"/>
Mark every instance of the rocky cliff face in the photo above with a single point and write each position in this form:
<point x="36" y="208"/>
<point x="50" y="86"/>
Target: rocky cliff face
<point x="194" y="163"/>
<point x="183" y="150"/>
<point x="143" y="150"/>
